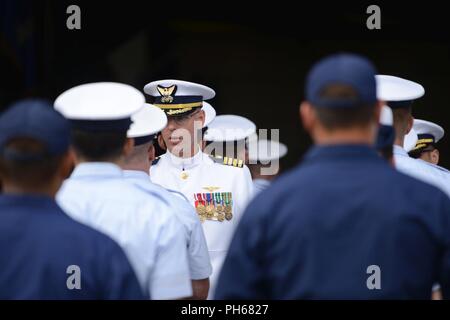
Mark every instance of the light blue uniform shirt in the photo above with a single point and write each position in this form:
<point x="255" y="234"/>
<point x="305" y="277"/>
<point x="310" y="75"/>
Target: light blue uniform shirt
<point x="197" y="249"/>
<point x="260" y="185"/>
<point x="435" y="166"/>
<point x="97" y="194"/>
<point x="421" y="170"/>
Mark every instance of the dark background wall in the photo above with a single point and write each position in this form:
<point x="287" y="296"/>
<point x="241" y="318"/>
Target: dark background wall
<point x="255" y="56"/>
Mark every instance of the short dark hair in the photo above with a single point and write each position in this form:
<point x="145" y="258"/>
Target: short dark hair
<point x="31" y="171"/>
<point x="98" y="146"/>
<point x="341" y="118"/>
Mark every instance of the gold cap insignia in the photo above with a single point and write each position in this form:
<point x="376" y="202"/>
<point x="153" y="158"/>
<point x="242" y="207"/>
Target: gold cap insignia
<point x="167" y="93"/>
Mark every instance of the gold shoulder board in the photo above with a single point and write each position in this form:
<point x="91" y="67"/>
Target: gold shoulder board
<point x="238" y="163"/>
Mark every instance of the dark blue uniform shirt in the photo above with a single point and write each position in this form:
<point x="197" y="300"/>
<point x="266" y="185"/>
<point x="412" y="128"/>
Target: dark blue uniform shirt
<point x="38" y="243"/>
<point x="314" y="233"/>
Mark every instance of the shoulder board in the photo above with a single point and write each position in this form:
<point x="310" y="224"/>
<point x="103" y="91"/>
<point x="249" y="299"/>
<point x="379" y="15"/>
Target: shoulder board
<point x="156" y="161"/>
<point x="238" y="163"/>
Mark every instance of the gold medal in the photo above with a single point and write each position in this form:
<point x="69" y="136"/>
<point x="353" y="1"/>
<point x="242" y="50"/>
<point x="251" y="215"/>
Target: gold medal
<point x="228" y="214"/>
<point x="201" y="209"/>
<point x="220" y="217"/>
<point x="210" y="211"/>
<point x="219" y="208"/>
<point x="184" y="175"/>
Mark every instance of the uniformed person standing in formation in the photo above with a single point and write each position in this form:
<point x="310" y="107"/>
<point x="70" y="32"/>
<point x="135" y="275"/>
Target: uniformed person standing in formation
<point x="344" y="213"/>
<point x="228" y="136"/>
<point x="420" y="143"/>
<point x="400" y="94"/>
<point x="428" y="135"/>
<point x="97" y="194"/>
<point x="41" y="247"/>
<point x="146" y="124"/>
<point x="386" y="135"/>
<point x="217" y="190"/>
<point x="264" y="163"/>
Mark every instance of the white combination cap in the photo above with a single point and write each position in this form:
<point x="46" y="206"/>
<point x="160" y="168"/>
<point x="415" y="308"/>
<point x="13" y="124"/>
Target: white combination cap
<point x="100" y="101"/>
<point x="396" y="89"/>
<point x="147" y="121"/>
<point x="267" y="150"/>
<point x="210" y="113"/>
<point x="177" y="97"/>
<point x="386" y="117"/>
<point x="227" y="128"/>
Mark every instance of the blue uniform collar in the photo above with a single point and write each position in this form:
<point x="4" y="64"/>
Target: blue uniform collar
<point x="346" y="151"/>
<point x="97" y="169"/>
<point x="28" y="200"/>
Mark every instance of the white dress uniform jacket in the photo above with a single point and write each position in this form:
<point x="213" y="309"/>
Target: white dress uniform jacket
<point x="207" y="183"/>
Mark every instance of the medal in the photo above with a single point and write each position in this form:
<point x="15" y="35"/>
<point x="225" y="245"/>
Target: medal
<point x="201" y="209"/>
<point x="210" y="209"/>
<point x="219" y="204"/>
<point x="228" y="205"/>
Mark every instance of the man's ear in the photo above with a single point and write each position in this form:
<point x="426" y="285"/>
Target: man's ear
<point x="378" y="108"/>
<point x="128" y="147"/>
<point x="161" y="142"/>
<point x="200" y="117"/>
<point x="307" y="116"/>
<point x="67" y="163"/>
<point x="434" y="156"/>
<point x="151" y="153"/>
<point x="409" y="124"/>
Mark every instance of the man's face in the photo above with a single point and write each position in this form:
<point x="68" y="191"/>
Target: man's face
<point x="182" y="133"/>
